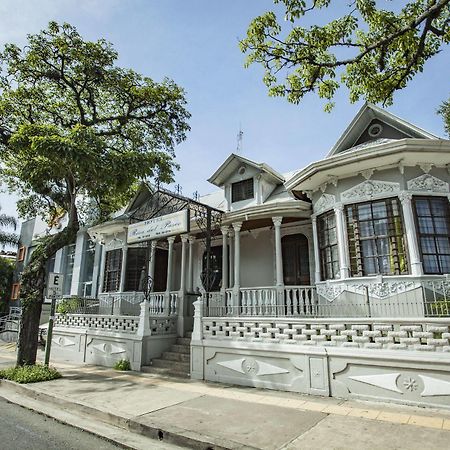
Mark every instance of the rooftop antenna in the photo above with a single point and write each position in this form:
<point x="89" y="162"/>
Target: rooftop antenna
<point x="240" y="135"/>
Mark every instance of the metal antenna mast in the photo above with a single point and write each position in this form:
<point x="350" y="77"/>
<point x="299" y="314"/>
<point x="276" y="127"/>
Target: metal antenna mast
<point x="240" y="135"/>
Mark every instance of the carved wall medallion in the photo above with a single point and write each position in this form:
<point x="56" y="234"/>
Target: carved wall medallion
<point x="108" y="348"/>
<point x="251" y="366"/>
<point x="428" y="183"/>
<point x="326" y="201"/>
<point x="63" y="341"/>
<point x="369" y="189"/>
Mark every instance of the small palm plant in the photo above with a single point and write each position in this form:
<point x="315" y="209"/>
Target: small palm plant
<point x="6" y="237"/>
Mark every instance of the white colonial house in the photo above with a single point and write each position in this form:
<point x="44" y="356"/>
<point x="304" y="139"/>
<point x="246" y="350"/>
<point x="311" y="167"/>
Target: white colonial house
<point x="330" y="280"/>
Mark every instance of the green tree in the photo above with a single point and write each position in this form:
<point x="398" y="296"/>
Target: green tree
<point x="444" y="111"/>
<point x="6" y="281"/>
<point x="77" y="133"/>
<point x="7" y="238"/>
<point x="370" y="50"/>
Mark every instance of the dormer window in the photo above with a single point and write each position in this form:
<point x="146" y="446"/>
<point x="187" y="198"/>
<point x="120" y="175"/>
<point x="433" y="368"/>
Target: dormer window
<point x="242" y="190"/>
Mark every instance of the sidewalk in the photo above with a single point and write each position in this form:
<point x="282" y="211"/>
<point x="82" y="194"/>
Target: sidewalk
<point x="199" y="415"/>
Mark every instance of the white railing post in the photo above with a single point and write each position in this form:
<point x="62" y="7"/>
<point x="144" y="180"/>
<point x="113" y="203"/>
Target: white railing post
<point x="197" y="334"/>
<point x="144" y="320"/>
<point x="237" y="266"/>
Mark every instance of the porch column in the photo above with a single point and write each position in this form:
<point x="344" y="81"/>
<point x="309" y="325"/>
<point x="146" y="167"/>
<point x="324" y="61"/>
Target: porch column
<point x="231" y="265"/>
<point x="278" y="251"/>
<point x="317" y="273"/>
<point x="170" y="240"/>
<point x="184" y="241"/>
<point x="342" y="244"/>
<point x="190" y="277"/>
<point x="151" y="263"/>
<point x="124" y="266"/>
<point x="411" y="234"/>
<point x="225" y="231"/>
<point x="101" y="280"/>
<point x="237" y="254"/>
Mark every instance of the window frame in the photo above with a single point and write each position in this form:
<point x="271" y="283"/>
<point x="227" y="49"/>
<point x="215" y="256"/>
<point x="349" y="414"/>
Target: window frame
<point x="133" y="285"/>
<point x="434" y="235"/>
<point x="240" y="191"/>
<point x="15" y="291"/>
<point x="21" y="253"/>
<point x="324" y="273"/>
<point x="359" y="261"/>
<point x="111" y="277"/>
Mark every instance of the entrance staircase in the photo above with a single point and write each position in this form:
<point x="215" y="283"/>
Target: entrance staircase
<point x="174" y="363"/>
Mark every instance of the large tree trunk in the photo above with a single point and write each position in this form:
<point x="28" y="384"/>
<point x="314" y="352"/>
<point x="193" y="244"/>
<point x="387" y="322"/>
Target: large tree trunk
<point x="33" y="286"/>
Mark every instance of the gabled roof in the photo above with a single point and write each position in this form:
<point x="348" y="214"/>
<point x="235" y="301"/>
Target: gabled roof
<point x="233" y="162"/>
<point x="362" y="120"/>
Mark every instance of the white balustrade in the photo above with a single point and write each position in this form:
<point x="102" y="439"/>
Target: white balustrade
<point x="173" y="301"/>
<point x="156" y="303"/>
<point x="300" y="300"/>
<point x="258" y="301"/>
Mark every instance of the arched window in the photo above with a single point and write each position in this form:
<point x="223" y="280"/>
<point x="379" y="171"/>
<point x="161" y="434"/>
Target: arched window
<point x="295" y="260"/>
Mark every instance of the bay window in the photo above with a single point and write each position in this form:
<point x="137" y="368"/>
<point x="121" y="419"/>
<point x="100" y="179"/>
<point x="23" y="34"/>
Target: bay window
<point x="376" y="238"/>
<point x="113" y="266"/>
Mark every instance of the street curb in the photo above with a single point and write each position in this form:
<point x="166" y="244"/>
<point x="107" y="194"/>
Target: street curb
<point x="156" y="431"/>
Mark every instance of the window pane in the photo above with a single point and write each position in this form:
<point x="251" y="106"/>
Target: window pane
<point x="370" y="266"/>
<point x="368" y="248"/>
<point x="379" y="210"/>
<point x="422" y="207"/>
<point x="364" y="212"/>
<point x="381" y="227"/>
<point x="438" y="207"/>
<point x="440" y="225"/>
<point x="366" y="229"/>
<point x="426" y="225"/>
<point x="428" y="245"/>
<point x="443" y="245"/>
<point x="384" y="264"/>
<point x="430" y="264"/>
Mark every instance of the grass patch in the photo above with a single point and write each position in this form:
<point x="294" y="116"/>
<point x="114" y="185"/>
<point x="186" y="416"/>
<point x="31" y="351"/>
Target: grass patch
<point x="122" y="364"/>
<point x="30" y="374"/>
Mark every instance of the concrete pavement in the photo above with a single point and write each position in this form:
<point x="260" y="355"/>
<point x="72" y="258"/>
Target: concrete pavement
<point x="200" y="415"/>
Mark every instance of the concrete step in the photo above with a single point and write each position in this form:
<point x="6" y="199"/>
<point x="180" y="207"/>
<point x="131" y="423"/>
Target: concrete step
<point x="176" y="366"/>
<point x="174" y="356"/>
<point x="186" y="349"/>
<point x="184" y="341"/>
<point x="164" y="371"/>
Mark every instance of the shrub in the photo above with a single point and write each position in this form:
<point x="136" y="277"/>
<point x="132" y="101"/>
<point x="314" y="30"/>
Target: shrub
<point x="30" y="374"/>
<point x="122" y="364"/>
<point x="69" y="306"/>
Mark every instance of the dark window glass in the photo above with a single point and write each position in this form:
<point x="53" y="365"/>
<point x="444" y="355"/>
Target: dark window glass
<point x="433" y="229"/>
<point x="113" y="266"/>
<point x="242" y="190"/>
<point x="376" y="238"/>
<point x="135" y="273"/>
<point x="215" y="278"/>
<point x="328" y="248"/>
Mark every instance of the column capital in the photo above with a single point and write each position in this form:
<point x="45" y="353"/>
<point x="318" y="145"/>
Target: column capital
<point x="314" y="219"/>
<point x="171" y="240"/>
<point x="405" y="197"/>
<point x="225" y="230"/>
<point x="277" y="221"/>
<point x="153" y="244"/>
<point x="339" y="207"/>
<point x="191" y="239"/>
<point x="184" y="238"/>
<point x="237" y="226"/>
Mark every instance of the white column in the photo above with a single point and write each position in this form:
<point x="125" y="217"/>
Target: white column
<point x="184" y="241"/>
<point x="102" y="269"/>
<point x="317" y="273"/>
<point x="411" y="234"/>
<point x="190" y="277"/>
<point x="151" y="263"/>
<point x="225" y="231"/>
<point x="170" y="240"/>
<point x="237" y="254"/>
<point x="231" y="264"/>
<point x="124" y="267"/>
<point x="278" y="251"/>
<point x="342" y="244"/>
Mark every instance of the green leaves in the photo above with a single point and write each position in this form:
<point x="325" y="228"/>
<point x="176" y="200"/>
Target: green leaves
<point x="371" y="51"/>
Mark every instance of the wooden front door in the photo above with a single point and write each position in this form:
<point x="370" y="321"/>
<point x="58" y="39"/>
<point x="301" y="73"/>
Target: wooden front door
<point x="295" y="260"/>
<point x="160" y="278"/>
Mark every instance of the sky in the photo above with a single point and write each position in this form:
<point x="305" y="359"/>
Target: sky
<point x="195" y="43"/>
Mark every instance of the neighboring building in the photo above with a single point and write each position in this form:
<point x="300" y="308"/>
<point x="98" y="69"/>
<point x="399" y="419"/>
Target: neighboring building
<point x="315" y="277"/>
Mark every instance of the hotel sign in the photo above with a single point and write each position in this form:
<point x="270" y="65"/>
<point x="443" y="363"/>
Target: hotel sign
<point x="159" y="227"/>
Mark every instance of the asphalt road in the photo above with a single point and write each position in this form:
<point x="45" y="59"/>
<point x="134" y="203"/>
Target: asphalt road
<point x="27" y="430"/>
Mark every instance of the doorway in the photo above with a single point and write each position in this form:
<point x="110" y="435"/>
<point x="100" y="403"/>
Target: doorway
<point x="295" y="260"/>
<point x="160" y="277"/>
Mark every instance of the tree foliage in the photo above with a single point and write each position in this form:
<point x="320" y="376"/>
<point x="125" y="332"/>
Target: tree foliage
<point x="373" y="51"/>
<point x="77" y="133"/>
